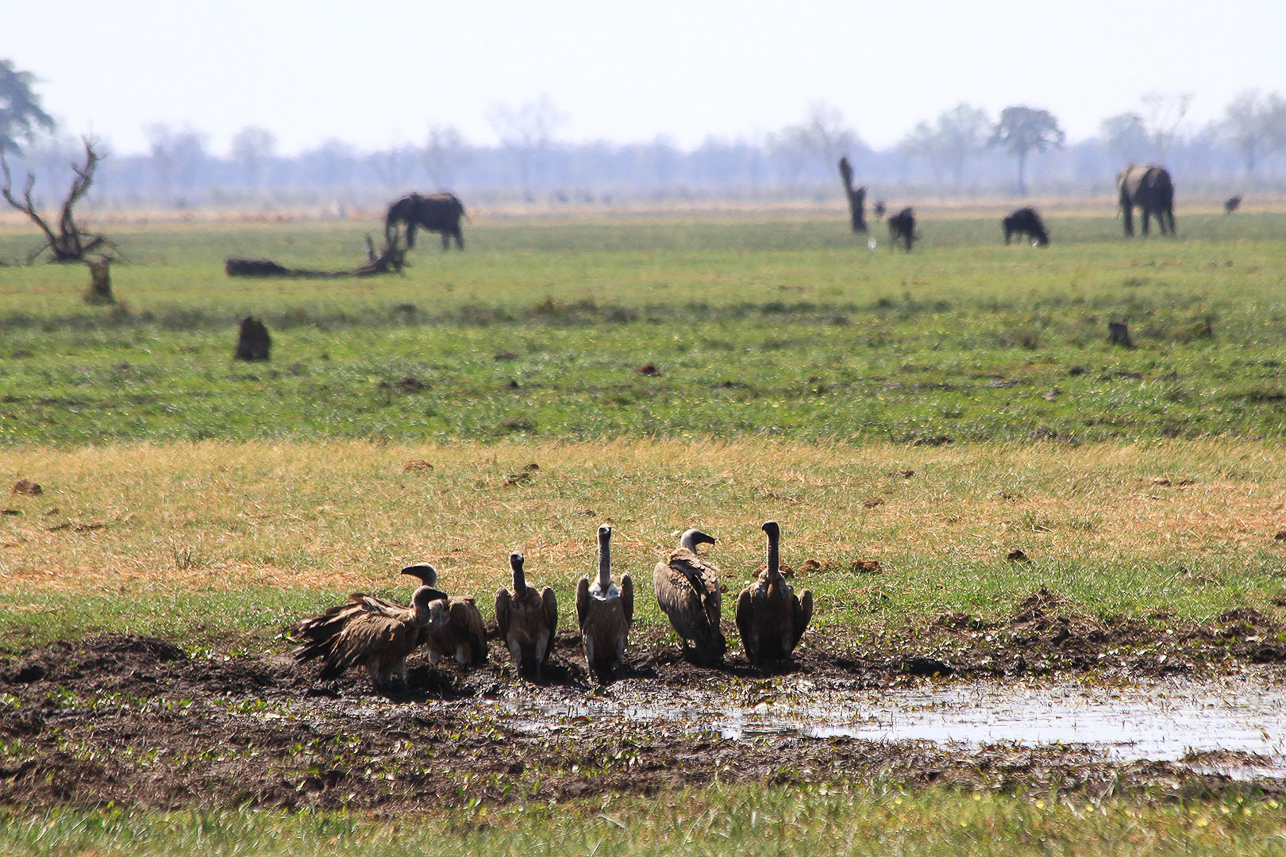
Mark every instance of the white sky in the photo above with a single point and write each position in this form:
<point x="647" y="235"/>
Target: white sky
<point x="379" y="74"/>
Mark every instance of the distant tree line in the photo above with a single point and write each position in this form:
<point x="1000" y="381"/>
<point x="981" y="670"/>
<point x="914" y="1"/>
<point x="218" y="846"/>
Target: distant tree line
<point x="964" y="152"/>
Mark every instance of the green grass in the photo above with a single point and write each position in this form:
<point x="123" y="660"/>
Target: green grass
<point x="213" y="502"/>
<point x="789" y="329"/>
<point x="875" y="820"/>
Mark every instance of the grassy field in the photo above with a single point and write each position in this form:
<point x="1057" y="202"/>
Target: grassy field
<point x="202" y="541"/>
<point x="790" y="330"/>
<point x="717" y="820"/>
<point x="930" y="411"/>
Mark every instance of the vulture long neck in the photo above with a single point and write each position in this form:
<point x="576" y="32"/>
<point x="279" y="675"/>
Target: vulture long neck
<point x="520" y="577"/>
<point x="604" y="560"/>
<point x="774" y="554"/>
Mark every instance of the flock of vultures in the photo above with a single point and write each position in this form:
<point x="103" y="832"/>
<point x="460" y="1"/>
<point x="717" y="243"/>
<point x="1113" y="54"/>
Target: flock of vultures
<point x="379" y="634"/>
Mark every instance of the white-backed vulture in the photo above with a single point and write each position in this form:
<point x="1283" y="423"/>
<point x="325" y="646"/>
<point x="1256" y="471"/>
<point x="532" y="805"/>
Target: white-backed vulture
<point x="605" y="612"/>
<point x="527" y="620"/>
<point x="687" y="588"/>
<point x="319" y="630"/>
<point x="463" y="636"/>
<point x="378" y="635"/>
<point x="770" y="617"/>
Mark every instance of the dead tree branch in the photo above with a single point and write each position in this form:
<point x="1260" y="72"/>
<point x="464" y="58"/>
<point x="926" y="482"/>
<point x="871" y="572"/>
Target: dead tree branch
<point x="390" y="261"/>
<point x="70" y="243"/>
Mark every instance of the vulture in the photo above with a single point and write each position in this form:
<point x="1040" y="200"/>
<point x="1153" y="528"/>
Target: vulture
<point x="770" y="617"/>
<point x="527" y="620"/>
<point x="687" y="588"/>
<point x="319" y="630"/>
<point x="605" y="612"/>
<point x="464" y="635"/>
<point x="376" y="633"/>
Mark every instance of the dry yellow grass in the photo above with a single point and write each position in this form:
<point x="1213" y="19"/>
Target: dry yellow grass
<point x="342" y="515"/>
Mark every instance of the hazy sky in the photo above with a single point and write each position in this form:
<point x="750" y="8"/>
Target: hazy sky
<point x="379" y="74"/>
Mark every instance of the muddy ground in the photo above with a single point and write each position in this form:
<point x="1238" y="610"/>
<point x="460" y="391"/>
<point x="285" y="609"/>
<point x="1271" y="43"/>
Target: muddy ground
<point x="140" y="722"/>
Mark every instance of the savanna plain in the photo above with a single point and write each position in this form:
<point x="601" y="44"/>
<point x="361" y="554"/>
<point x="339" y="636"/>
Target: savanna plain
<point x="984" y="495"/>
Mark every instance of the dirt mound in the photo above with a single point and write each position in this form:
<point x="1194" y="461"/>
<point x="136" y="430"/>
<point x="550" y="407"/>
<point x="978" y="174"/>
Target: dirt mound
<point x="109" y="658"/>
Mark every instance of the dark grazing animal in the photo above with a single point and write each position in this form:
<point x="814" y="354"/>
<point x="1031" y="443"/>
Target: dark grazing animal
<point x="902" y="226"/>
<point x="1231" y="204"/>
<point x="1025" y="221"/>
<point x="437" y="212"/>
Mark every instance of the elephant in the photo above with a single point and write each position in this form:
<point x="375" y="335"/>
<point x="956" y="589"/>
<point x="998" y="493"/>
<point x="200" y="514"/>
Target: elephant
<point x="1025" y="221"/>
<point x="437" y="212"/>
<point x="1149" y="188"/>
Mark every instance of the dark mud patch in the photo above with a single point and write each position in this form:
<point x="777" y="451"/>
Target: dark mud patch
<point x="140" y="722"/>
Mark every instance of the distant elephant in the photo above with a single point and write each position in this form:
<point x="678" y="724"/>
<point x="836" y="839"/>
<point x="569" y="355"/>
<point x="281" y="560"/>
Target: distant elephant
<point x="437" y="212"/>
<point x="1149" y="188"/>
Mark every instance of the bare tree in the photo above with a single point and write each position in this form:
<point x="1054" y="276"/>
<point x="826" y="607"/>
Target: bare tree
<point x="70" y="243"/>
<point x="1162" y="114"/>
<point x="963" y="132"/>
<point x="924" y="142"/>
<point x="252" y="148"/>
<point x="444" y="153"/>
<point x="1255" y="126"/>
<point x="393" y="166"/>
<point x="790" y="148"/>
<point x="177" y="157"/>
<point x="826" y="133"/>
<point x="1125" y="136"/>
<point x="525" y="133"/>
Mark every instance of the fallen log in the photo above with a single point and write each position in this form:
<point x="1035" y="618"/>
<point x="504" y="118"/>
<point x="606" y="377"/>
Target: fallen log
<point x="388" y="262"/>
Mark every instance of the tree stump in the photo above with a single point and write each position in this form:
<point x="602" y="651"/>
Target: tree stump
<point x="856" y="196"/>
<point x="1118" y="333"/>
<point x="100" y="283"/>
<point x="254" y="342"/>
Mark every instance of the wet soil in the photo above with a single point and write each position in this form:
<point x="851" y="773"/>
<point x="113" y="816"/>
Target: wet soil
<point x="140" y="722"/>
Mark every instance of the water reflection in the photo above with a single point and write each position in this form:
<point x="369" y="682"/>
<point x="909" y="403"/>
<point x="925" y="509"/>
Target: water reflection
<point x="1158" y="721"/>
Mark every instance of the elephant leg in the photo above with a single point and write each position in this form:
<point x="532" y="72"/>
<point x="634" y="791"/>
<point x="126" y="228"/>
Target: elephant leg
<point x="1147" y="217"/>
<point x="459" y="239"/>
<point x="446" y="240"/>
<point x="410" y="234"/>
<point x="1127" y="210"/>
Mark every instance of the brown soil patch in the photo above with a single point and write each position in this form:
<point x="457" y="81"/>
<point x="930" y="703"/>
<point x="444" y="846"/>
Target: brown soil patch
<point x="138" y="721"/>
